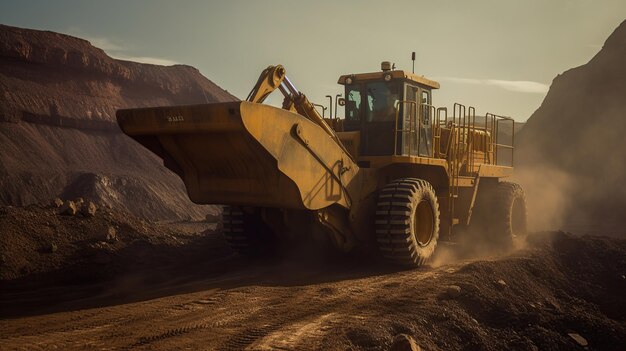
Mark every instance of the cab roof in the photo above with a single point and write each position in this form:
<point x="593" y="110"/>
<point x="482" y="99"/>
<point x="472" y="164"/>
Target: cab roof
<point x="398" y="74"/>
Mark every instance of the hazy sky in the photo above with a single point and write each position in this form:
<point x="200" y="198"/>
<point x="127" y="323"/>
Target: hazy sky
<point x="497" y="55"/>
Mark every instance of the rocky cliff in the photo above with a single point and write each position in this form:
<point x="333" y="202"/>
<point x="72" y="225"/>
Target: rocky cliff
<point x="58" y="136"/>
<point x="573" y="144"/>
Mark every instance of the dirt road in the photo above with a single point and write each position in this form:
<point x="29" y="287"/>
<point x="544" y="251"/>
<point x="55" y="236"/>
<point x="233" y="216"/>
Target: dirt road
<point x="532" y="299"/>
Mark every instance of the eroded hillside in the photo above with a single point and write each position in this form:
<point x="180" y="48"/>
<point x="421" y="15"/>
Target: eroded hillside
<point x="58" y="97"/>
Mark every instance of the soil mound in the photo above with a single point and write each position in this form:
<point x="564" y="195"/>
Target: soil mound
<point x="39" y="246"/>
<point x="570" y="147"/>
<point x="58" y="97"/>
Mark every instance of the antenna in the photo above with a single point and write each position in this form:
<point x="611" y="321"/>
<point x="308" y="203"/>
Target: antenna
<point x="413" y="58"/>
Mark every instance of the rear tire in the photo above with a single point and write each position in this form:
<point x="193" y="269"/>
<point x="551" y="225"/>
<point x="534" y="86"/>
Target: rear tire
<point x="500" y="215"/>
<point x="246" y="233"/>
<point x="407" y="221"/>
<point x="509" y="206"/>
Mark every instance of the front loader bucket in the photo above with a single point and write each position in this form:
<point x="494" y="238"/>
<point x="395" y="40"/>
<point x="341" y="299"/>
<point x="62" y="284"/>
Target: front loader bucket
<point x="244" y="153"/>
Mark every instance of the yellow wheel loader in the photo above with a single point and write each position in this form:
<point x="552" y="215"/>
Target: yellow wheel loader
<point x="396" y="175"/>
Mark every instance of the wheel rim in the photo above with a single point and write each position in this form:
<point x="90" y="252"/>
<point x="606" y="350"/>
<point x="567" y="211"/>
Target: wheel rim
<point x="518" y="217"/>
<point x="423" y="223"/>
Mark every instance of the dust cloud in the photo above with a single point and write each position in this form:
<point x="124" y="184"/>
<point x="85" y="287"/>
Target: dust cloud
<point x="471" y="245"/>
<point x="548" y="196"/>
<point x="575" y="181"/>
<point x="570" y="156"/>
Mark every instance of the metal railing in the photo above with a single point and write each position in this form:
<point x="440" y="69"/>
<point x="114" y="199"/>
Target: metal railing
<point x="411" y="131"/>
<point x="468" y="143"/>
<point x="496" y="143"/>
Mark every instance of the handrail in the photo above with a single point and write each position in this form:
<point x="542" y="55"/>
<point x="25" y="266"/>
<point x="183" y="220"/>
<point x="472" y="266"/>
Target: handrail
<point x="411" y="124"/>
<point x="495" y="129"/>
<point x="470" y="136"/>
<point x="460" y="147"/>
<point x="432" y="111"/>
<point x="439" y="110"/>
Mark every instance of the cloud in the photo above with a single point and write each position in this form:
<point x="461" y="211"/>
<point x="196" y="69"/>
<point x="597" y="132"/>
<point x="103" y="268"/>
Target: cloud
<point x="520" y="86"/>
<point x="145" y="59"/>
<point x="99" y="42"/>
<point x="118" y="50"/>
<point x="104" y="44"/>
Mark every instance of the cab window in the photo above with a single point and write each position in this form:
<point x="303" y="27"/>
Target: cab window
<point x="382" y="98"/>
<point x="426" y="109"/>
<point x="426" y="97"/>
<point x="353" y="102"/>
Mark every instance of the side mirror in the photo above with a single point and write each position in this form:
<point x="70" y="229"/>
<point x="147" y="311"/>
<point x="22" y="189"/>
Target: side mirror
<point x="341" y="101"/>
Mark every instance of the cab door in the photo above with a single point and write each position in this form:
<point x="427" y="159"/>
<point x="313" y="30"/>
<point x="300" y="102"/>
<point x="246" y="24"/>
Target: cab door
<point x="426" y="131"/>
<point x="371" y="109"/>
<point x="408" y="127"/>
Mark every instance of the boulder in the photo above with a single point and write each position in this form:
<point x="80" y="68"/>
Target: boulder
<point x="68" y="208"/>
<point x="110" y="235"/>
<point x="88" y="209"/>
<point x="51" y="247"/>
<point x="56" y="203"/>
<point x="579" y="339"/>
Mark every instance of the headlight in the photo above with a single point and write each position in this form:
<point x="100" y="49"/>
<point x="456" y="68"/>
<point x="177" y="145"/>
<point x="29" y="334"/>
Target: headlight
<point x="387" y="77"/>
<point x="349" y="80"/>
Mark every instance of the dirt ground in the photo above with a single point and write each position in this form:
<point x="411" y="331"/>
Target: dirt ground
<point x="165" y="286"/>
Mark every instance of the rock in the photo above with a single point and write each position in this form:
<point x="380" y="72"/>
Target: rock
<point x="403" y="342"/>
<point x="56" y="203"/>
<point x="3" y="259"/>
<point x="79" y="201"/>
<point x="88" y="209"/>
<point x="579" y="339"/>
<point x="454" y="291"/>
<point x="68" y="208"/>
<point x="501" y="283"/>
<point x="51" y="247"/>
<point x="111" y="235"/>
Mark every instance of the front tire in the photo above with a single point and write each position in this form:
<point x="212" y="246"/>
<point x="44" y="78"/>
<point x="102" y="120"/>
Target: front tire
<point x="407" y="222"/>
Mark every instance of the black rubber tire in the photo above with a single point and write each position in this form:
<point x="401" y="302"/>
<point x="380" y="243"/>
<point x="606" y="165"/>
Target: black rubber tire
<point x="246" y="233"/>
<point x="509" y="206"/>
<point x="500" y="215"/>
<point x="407" y="222"/>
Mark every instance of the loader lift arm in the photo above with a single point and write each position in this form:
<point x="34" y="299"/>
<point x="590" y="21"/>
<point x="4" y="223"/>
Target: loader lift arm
<point x="270" y="79"/>
<point x="274" y="77"/>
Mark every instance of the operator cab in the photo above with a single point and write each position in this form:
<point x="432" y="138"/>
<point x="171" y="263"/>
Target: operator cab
<point x="391" y="109"/>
